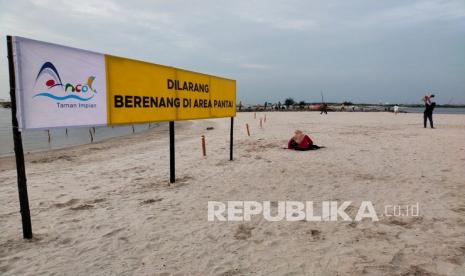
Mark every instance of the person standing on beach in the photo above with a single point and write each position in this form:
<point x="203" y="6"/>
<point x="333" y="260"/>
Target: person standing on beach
<point x="324" y="109"/>
<point x="429" y="107"/>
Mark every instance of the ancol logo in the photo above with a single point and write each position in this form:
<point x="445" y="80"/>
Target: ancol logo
<point x="56" y="88"/>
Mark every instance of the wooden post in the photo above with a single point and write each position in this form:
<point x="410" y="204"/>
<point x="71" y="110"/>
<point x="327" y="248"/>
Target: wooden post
<point x="261" y="123"/>
<point x="248" y="131"/>
<point x="204" y="150"/>
<point x="231" y="135"/>
<point x="172" y="155"/>
<point x="18" y="147"/>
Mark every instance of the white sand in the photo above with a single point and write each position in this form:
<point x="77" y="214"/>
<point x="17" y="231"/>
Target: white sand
<point x="107" y="208"/>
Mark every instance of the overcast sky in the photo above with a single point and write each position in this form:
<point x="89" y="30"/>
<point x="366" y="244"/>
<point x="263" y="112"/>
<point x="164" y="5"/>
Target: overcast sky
<point x="364" y="51"/>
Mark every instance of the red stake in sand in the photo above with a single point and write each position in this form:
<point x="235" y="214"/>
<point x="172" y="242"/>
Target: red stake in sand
<point x="204" y="149"/>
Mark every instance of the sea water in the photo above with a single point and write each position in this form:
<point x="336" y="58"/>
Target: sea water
<point x="38" y="140"/>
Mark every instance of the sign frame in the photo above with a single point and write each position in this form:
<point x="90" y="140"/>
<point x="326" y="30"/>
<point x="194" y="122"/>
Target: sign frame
<point x="16" y="100"/>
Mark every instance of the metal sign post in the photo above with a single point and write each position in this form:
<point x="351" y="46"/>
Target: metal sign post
<point x="231" y="139"/>
<point x="172" y="155"/>
<point x="18" y="146"/>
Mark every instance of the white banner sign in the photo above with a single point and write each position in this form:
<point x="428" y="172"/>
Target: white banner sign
<point x="58" y="86"/>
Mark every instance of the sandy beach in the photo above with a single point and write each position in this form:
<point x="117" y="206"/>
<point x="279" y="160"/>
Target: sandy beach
<point x="107" y="208"/>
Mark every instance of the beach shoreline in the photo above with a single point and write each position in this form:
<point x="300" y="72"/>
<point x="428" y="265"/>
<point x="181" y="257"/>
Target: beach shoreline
<point x="33" y="156"/>
<point x="108" y="207"/>
<point x="36" y="140"/>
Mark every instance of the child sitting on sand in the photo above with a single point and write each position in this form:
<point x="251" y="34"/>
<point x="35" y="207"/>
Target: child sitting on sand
<point x="301" y="141"/>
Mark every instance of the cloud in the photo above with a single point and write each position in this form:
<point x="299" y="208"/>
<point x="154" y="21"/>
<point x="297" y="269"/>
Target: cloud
<point x="356" y="50"/>
<point x="256" y="66"/>
<point x="282" y="23"/>
<point x="87" y="8"/>
<point x="279" y="16"/>
<point x="417" y="12"/>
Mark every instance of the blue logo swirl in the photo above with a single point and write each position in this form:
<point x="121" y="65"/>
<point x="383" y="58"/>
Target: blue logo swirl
<point x="72" y="96"/>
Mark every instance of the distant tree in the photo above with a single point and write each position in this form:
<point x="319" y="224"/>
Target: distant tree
<point x="302" y="104"/>
<point x="288" y="102"/>
<point x="347" y="103"/>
